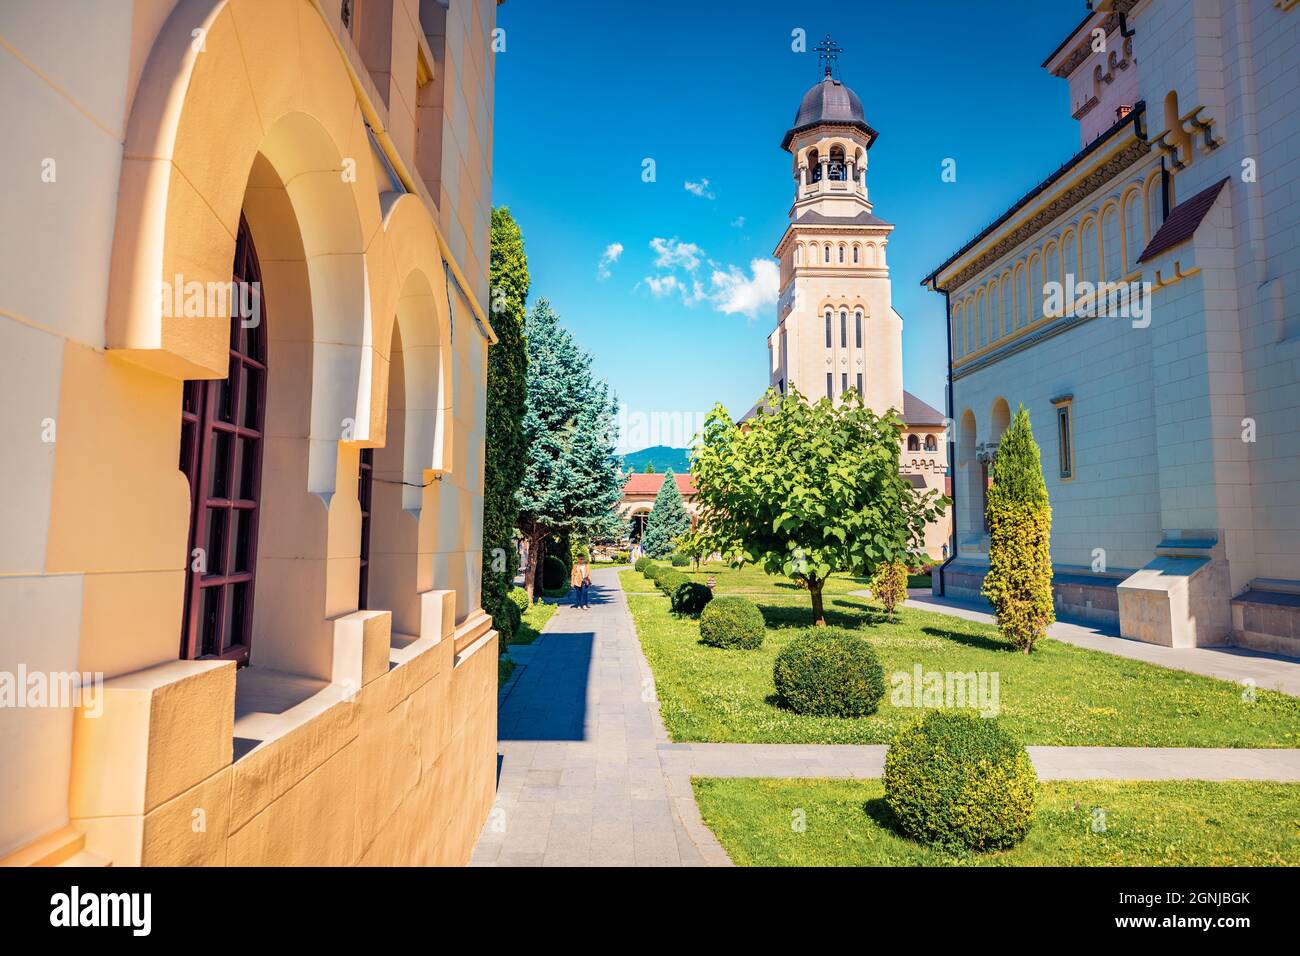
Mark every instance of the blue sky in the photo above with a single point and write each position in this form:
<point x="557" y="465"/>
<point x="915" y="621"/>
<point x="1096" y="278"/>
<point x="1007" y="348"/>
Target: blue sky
<point x="586" y="91"/>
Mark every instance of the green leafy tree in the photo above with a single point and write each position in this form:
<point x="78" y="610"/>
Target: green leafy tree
<point x="808" y="490"/>
<point x="693" y="544"/>
<point x="1019" y="580"/>
<point x="505" y="448"/>
<point x="571" y="483"/>
<point x="668" y="519"/>
<point x="649" y="468"/>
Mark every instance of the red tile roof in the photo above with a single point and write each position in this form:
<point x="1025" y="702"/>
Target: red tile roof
<point x="1182" y="222"/>
<point x="643" y="484"/>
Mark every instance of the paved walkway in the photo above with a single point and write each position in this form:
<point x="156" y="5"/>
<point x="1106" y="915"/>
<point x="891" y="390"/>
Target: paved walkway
<point x="587" y="775"/>
<point x="1052" y="763"/>
<point x="581" y="780"/>
<point x="1236" y="664"/>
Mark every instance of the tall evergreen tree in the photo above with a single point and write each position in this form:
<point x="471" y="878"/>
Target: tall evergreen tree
<point x="505" y="450"/>
<point x="1019" y="580"/>
<point x="668" y="519"/>
<point x="571" y="482"/>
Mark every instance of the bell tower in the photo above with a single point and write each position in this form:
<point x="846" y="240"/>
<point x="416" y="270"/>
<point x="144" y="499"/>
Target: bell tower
<point x="836" y="328"/>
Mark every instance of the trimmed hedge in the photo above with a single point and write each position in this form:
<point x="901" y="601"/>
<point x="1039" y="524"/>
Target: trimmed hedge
<point x="829" y="672"/>
<point x="519" y="597"/>
<point x="641" y="565"/>
<point x="732" y="622"/>
<point x="691" y="597"/>
<point x="555" y="575"/>
<point x="678" y="560"/>
<point x="960" y="782"/>
<point x="652" y="571"/>
<point x="670" y="580"/>
<point x="507" y="621"/>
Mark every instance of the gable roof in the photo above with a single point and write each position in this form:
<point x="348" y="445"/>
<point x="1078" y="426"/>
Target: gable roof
<point x="917" y="412"/>
<point x="1182" y="222"/>
<point x="639" y="483"/>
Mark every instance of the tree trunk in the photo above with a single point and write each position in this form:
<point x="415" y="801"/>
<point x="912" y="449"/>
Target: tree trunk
<point x="815" y="589"/>
<point x="533" y="579"/>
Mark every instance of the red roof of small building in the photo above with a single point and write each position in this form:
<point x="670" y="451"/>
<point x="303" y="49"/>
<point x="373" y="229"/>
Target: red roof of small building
<point x="643" y="484"/>
<point x="1182" y="222"/>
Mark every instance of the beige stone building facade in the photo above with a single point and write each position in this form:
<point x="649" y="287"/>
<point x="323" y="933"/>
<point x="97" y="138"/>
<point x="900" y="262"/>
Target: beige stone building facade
<point x="1142" y="304"/>
<point x="836" y="328"/>
<point x="244" y="354"/>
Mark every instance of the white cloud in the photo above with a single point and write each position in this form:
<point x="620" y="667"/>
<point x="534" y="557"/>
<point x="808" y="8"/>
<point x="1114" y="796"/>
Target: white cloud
<point x="700" y="189"/>
<point x="739" y="222"/>
<point x="661" y="286"/>
<point x="608" y="258"/>
<point x="732" y="291"/>
<point x="673" y="253"/>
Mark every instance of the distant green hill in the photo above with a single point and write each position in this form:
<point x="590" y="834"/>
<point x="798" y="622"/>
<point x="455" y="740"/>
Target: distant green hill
<point x="661" y="456"/>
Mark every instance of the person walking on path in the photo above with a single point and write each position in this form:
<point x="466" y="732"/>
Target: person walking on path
<point x="580" y="579"/>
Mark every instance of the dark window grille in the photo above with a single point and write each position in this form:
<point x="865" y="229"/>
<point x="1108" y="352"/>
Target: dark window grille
<point x="1063" y="435"/>
<point x="830" y="385"/>
<point x="859" y="383"/>
<point x="857" y="328"/>
<point x="365" y="489"/>
<point x="828" y="328"/>
<point x="221" y="454"/>
<point x="844" y="382"/>
<point x="844" y="330"/>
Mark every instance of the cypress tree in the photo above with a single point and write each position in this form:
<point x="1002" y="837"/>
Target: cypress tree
<point x="668" y="519"/>
<point x="1019" y="579"/>
<point x="505" y="449"/>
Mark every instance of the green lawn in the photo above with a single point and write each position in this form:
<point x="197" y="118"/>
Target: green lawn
<point x="535" y="618"/>
<point x="1061" y="694"/>
<point x="846" y="823"/>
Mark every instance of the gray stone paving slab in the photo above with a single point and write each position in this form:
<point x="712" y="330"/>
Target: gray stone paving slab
<point x="581" y="780"/>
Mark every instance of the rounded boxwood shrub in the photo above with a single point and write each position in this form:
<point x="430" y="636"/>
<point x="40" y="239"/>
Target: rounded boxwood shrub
<point x="691" y="597"/>
<point x="555" y="574"/>
<point x="829" y="672"/>
<point x="652" y="571"/>
<point x="732" y="622"/>
<point x="960" y="782"/>
<point x="641" y="565"/>
<point x="519" y="598"/>
<point x="679" y="560"/>
<point x="670" y="580"/>
<point x="507" y="621"/>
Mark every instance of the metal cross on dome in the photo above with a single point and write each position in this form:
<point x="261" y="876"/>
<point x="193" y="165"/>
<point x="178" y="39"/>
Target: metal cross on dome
<point x="828" y="53"/>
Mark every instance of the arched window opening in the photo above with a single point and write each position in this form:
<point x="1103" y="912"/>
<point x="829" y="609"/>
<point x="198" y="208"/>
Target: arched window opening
<point x="828" y="328"/>
<point x="857" y="329"/>
<point x="836" y="170"/>
<point x="222" y="423"/>
<point x="855" y="255"/>
<point x="913" y="444"/>
<point x="931" y="443"/>
<point x="844" y="330"/>
<point x="814" y="166"/>
<point x="826" y="253"/>
<point x="841" y="255"/>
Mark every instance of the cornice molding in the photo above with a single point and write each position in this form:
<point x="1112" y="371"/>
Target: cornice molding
<point x="1064" y="199"/>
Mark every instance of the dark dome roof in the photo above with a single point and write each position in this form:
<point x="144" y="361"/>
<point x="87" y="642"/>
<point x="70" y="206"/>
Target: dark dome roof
<point x="830" y="102"/>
